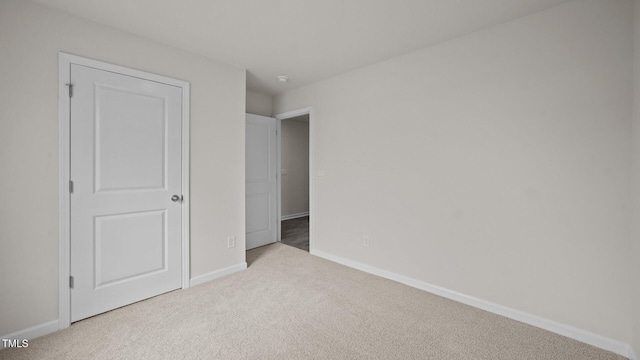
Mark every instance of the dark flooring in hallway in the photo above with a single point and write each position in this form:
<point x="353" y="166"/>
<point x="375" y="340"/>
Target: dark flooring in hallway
<point x="295" y="232"/>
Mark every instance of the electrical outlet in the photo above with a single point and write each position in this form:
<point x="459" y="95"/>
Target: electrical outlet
<point x="231" y="242"/>
<point x="366" y="241"/>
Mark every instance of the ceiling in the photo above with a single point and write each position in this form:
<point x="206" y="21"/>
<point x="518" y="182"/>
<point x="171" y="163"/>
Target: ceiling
<point x="306" y="40"/>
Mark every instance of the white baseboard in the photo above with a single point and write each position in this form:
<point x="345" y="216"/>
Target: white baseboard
<point x="294" y="216"/>
<point x="602" y="342"/>
<point x="32" y="332"/>
<point x="200" y="279"/>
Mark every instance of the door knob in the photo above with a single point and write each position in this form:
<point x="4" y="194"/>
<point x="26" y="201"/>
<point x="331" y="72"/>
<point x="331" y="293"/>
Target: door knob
<point x="175" y="198"/>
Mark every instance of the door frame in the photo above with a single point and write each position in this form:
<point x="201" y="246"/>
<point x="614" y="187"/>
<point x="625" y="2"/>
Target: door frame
<point x="284" y="116"/>
<point x="64" y="150"/>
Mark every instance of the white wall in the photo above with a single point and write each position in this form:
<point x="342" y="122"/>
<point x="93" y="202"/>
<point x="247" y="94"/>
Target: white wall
<point x="635" y="281"/>
<point x="259" y="103"/>
<point x="496" y="165"/>
<point x="30" y="38"/>
<point x="295" y="161"/>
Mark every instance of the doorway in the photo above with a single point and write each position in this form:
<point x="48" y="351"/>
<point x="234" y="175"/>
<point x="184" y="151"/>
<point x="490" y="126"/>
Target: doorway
<point x="294" y="159"/>
<point x="123" y="186"/>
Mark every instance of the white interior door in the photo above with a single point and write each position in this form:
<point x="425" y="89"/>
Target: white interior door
<point x="125" y="168"/>
<point x="261" y="201"/>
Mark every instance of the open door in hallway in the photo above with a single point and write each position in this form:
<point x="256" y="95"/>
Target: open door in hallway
<point x="261" y="167"/>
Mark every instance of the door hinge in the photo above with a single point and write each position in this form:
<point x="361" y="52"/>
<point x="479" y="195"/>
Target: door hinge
<point x="70" y="187"/>
<point x="71" y="282"/>
<point x="70" y="89"/>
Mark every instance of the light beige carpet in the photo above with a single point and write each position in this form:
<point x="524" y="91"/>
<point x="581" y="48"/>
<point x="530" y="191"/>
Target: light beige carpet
<point x="291" y="305"/>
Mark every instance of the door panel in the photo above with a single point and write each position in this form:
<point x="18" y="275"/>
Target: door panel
<point x="258" y="210"/>
<point x="119" y="241"/>
<point x="122" y="160"/>
<point x="125" y="165"/>
<point x="261" y="217"/>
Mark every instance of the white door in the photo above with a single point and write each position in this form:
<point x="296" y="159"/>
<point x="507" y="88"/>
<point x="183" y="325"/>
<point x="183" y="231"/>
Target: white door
<point x="261" y="219"/>
<point x="125" y="168"/>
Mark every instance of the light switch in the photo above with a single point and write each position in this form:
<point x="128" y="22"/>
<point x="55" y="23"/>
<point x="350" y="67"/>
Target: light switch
<point x="283" y="171"/>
